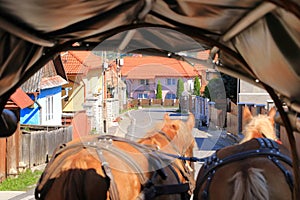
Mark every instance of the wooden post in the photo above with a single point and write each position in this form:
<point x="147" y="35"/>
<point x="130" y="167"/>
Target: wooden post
<point x="2" y="159"/>
<point x="240" y="115"/>
<point x="259" y="108"/>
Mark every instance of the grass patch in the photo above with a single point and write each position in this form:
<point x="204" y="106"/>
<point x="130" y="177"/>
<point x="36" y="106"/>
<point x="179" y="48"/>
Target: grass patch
<point x="22" y="182"/>
<point x="128" y="109"/>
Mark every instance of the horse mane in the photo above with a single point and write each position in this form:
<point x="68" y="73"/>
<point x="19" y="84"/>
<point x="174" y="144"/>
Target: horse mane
<point x="259" y="126"/>
<point x="183" y="138"/>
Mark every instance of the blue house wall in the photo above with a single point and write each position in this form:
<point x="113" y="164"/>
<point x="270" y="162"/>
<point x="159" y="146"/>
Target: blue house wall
<point x="31" y="115"/>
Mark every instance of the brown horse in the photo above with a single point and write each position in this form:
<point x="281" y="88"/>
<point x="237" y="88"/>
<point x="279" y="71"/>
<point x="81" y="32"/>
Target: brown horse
<point x="108" y="167"/>
<point x="256" y="169"/>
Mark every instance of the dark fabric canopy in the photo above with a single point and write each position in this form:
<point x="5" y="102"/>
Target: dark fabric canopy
<point x="254" y="39"/>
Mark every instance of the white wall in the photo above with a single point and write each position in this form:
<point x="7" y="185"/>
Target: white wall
<point x="57" y="110"/>
<point x="250" y="93"/>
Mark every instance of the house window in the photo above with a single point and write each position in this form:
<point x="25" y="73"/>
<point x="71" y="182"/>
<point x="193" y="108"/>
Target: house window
<point x="144" y="82"/>
<point x="170" y="96"/>
<point x="171" y="81"/>
<point x="142" y="96"/>
<point x="49" y="108"/>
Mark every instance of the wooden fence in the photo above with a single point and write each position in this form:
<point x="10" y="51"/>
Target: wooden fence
<point x="10" y="154"/>
<point x="152" y="102"/>
<point x="25" y="149"/>
<point x="38" y="146"/>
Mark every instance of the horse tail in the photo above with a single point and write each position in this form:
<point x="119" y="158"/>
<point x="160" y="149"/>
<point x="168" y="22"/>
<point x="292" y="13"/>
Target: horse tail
<point x="250" y="184"/>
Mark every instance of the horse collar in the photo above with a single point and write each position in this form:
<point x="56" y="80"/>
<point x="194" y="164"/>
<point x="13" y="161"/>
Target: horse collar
<point x="267" y="147"/>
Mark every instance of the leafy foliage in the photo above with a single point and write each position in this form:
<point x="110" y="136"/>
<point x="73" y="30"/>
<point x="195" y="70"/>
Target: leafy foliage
<point x="230" y="86"/>
<point x="158" y="91"/>
<point x="215" y="89"/>
<point x="196" y="86"/>
<point x="180" y="88"/>
<point x="206" y="92"/>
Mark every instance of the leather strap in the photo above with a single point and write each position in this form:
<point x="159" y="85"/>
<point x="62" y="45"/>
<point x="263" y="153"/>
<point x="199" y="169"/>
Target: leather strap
<point x="113" y="190"/>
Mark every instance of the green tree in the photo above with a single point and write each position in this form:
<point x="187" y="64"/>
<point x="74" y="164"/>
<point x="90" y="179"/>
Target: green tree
<point x="180" y="88"/>
<point x="215" y="89"/>
<point x="159" y="90"/>
<point x="216" y="85"/>
<point x="206" y="92"/>
<point x="196" y="86"/>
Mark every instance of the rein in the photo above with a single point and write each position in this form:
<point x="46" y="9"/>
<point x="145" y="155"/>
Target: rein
<point x="184" y="158"/>
<point x="213" y="158"/>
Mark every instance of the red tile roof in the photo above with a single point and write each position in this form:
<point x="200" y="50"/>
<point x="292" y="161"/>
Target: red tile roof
<point x="21" y="99"/>
<point x="79" y="62"/>
<point x="203" y="55"/>
<point x="151" y="66"/>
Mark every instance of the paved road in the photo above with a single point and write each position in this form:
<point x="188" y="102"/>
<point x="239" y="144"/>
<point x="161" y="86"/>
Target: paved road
<point x="134" y="125"/>
<point x="17" y="195"/>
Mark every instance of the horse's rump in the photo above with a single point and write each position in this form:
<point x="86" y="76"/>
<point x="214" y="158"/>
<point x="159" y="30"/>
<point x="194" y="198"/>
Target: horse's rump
<point x="109" y="161"/>
<point x="258" y="169"/>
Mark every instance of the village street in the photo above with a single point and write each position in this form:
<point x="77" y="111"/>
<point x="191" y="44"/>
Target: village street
<point x="135" y="123"/>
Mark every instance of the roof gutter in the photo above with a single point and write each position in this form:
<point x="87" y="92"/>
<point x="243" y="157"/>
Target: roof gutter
<point x="67" y="92"/>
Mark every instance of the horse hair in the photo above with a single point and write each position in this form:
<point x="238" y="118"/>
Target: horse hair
<point x="250" y="185"/>
<point x="262" y="124"/>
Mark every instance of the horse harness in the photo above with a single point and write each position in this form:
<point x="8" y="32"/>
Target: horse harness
<point x="104" y="143"/>
<point x="149" y="189"/>
<point x="267" y="148"/>
<point x="185" y="189"/>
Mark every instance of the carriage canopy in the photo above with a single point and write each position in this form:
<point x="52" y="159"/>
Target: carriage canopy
<point x="254" y="39"/>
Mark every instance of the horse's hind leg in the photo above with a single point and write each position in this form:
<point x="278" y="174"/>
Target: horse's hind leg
<point x="78" y="184"/>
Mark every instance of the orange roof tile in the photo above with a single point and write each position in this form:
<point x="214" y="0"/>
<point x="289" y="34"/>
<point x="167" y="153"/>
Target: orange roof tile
<point x="79" y="62"/>
<point x="152" y="66"/>
<point x="203" y="55"/>
<point x="21" y="99"/>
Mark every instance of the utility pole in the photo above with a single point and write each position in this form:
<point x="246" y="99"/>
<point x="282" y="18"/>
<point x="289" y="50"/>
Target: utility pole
<point x="104" y="90"/>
